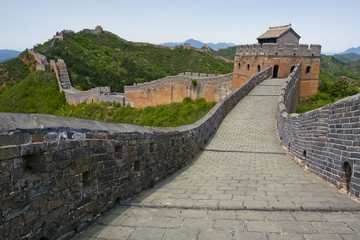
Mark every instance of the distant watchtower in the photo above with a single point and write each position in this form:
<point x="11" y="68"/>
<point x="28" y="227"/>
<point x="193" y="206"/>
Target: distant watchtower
<point x="279" y="47"/>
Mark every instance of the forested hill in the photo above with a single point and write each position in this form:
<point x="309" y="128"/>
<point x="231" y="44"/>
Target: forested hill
<point x="107" y="60"/>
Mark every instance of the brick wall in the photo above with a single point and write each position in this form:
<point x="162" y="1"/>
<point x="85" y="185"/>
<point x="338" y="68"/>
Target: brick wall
<point x="57" y="175"/>
<point x="326" y="140"/>
<point x="175" y="88"/>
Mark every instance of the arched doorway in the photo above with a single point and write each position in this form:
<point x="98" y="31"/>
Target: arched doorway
<point x="275" y="71"/>
<point x="347" y="176"/>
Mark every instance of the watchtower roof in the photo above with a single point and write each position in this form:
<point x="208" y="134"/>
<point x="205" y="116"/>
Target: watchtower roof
<point x="276" y="32"/>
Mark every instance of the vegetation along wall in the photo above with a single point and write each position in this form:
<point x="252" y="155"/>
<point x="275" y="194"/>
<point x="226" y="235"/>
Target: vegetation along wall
<point x="59" y="174"/>
<point x="325" y="140"/>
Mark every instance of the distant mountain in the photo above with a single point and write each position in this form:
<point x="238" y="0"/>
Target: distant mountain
<point x="6" y="55"/>
<point x="348" y="57"/>
<point x="353" y="50"/>
<point x="199" y="44"/>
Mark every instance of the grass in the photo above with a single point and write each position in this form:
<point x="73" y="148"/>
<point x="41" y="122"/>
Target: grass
<point x="169" y="115"/>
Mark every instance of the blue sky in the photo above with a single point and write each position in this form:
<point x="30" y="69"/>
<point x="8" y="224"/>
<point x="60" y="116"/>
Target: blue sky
<point x="332" y="23"/>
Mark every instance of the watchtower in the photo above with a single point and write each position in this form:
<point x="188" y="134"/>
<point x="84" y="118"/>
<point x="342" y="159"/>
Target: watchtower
<point x="279" y="47"/>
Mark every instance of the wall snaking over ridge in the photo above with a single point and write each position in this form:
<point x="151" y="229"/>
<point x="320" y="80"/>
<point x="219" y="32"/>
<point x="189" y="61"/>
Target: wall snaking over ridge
<point x="57" y="175"/>
<point x="326" y="141"/>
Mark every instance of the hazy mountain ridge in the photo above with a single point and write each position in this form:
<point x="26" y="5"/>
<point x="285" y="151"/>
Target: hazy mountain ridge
<point x="6" y="54"/>
<point x="199" y="44"/>
<point x="348" y="57"/>
<point x="352" y="50"/>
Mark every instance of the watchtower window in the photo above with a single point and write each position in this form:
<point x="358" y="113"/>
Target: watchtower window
<point x="308" y="68"/>
<point x="239" y="65"/>
<point x="292" y="69"/>
<point x="258" y="67"/>
<point x="248" y="67"/>
<point x="346" y="176"/>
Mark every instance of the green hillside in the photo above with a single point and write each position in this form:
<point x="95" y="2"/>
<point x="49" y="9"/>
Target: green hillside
<point x="98" y="60"/>
<point x="228" y="53"/>
<point x="106" y="60"/>
<point x="348" y="57"/>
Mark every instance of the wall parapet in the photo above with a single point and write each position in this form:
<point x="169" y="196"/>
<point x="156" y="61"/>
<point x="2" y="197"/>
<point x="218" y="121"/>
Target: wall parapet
<point x="276" y="49"/>
<point x="69" y="171"/>
<point x="326" y="140"/>
<point x="200" y="77"/>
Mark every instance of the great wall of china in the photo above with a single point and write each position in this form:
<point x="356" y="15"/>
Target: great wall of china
<point x="58" y="175"/>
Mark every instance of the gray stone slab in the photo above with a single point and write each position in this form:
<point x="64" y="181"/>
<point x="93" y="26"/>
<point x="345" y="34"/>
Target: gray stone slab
<point x="147" y="234"/>
<point x="197" y="223"/>
<point x="296" y="227"/>
<point x="165" y="222"/>
<point x="262" y="226"/>
<point x="250" y="235"/>
<point x="181" y="234"/>
<point x="332" y="227"/>
<point x="284" y="236"/>
<point x="215" y="235"/>
<point x="322" y="237"/>
<point x="116" y="232"/>
<point x="229" y="225"/>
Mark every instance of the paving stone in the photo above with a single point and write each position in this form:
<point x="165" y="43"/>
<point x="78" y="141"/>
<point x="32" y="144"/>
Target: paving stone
<point x="284" y="236"/>
<point x="219" y="214"/>
<point x="168" y="212"/>
<point x="229" y="225"/>
<point x="279" y="216"/>
<point x="137" y="221"/>
<point x="214" y="235"/>
<point x="331" y="227"/>
<point x="250" y="215"/>
<point x="193" y="213"/>
<point x="181" y="234"/>
<point x="350" y="236"/>
<point x="308" y="216"/>
<point x="296" y="227"/>
<point x="322" y="237"/>
<point x="197" y="223"/>
<point x="260" y="226"/>
<point x="353" y="225"/>
<point x="340" y="217"/>
<point x="111" y="232"/>
<point x="163" y="222"/>
<point x="250" y="235"/>
<point x="147" y="234"/>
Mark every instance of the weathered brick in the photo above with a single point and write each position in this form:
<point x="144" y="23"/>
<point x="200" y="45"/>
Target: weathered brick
<point x="9" y="152"/>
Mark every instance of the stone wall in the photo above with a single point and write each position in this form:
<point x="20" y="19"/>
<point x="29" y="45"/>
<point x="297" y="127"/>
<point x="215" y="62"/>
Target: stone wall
<point x="275" y="49"/>
<point x="59" y="174"/>
<point x="326" y="141"/>
<point x="74" y="96"/>
<point x="40" y="59"/>
<point x="176" y="88"/>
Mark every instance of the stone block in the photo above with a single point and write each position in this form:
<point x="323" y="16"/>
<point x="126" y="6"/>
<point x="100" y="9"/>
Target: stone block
<point x="9" y="152"/>
<point x="30" y="149"/>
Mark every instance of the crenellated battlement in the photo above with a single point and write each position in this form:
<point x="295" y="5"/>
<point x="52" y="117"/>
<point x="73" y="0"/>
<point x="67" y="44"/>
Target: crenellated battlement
<point x="182" y="77"/>
<point x="276" y="49"/>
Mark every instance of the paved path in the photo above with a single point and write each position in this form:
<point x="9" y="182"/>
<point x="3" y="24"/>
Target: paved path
<point x="242" y="186"/>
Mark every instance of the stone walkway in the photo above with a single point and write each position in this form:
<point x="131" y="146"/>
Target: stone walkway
<point x="241" y="186"/>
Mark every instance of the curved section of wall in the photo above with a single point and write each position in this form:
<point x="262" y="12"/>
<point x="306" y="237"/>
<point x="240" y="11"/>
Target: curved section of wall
<point x="326" y="141"/>
<point x="59" y="174"/>
<point x="175" y="88"/>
